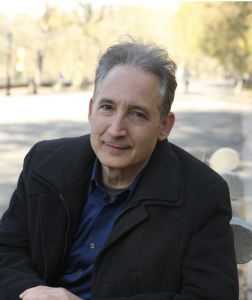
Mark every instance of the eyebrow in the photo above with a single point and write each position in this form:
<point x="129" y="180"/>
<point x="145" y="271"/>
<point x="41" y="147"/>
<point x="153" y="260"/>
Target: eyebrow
<point x="106" y="101"/>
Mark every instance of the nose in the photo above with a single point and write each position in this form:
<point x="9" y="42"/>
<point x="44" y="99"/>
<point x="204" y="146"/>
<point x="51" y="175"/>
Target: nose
<point x="117" y="127"/>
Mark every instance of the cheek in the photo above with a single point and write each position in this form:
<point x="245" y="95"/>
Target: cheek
<point x="146" y="143"/>
<point x="98" y="126"/>
<point x="147" y="135"/>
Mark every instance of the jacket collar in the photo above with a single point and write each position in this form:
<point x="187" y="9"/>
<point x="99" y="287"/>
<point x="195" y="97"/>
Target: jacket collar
<point x="66" y="165"/>
<point x="162" y="178"/>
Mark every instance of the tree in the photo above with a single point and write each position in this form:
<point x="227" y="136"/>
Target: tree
<point x="227" y="34"/>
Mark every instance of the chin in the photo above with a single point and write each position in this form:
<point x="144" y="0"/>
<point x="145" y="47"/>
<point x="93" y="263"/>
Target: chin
<point x="112" y="164"/>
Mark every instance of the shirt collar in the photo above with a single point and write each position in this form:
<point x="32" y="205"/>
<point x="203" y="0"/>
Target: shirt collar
<point x="95" y="179"/>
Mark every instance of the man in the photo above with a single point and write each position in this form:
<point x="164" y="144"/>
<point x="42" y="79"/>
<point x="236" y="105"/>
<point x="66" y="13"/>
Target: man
<point x="186" y="80"/>
<point x="122" y="213"/>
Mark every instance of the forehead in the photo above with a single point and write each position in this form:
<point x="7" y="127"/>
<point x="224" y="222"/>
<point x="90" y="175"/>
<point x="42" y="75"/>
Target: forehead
<point x="130" y="83"/>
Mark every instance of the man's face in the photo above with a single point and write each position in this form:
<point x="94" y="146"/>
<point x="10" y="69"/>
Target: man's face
<point x="125" y="119"/>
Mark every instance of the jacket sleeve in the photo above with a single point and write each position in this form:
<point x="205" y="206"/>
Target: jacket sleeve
<point x="16" y="267"/>
<point x="209" y="266"/>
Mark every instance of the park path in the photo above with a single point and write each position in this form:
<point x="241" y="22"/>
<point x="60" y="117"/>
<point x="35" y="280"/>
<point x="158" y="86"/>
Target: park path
<point x="210" y="116"/>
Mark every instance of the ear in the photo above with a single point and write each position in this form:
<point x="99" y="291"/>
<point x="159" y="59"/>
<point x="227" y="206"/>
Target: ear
<point x="91" y="103"/>
<point x="166" y="126"/>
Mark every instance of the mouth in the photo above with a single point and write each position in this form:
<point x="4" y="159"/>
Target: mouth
<point x="116" y="148"/>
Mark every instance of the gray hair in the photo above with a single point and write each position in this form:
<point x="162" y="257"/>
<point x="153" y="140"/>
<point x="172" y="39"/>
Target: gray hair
<point x="146" y="57"/>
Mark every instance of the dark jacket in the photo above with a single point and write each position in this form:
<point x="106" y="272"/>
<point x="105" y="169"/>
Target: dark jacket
<point x="173" y="241"/>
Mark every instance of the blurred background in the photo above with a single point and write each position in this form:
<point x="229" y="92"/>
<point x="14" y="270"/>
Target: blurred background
<point x="59" y="43"/>
<point x="49" y="52"/>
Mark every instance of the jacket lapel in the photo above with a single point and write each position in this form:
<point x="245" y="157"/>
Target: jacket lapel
<point x="131" y="218"/>
<point x="162" y="179"/>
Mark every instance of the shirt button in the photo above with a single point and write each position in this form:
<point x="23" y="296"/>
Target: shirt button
<point x="79" y="273"/>
<point x="107" y="208"/>
<point x="92" y="245"/>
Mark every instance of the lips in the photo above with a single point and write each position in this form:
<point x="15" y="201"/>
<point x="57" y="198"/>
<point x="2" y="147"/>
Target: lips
<point x="116" y="147"/>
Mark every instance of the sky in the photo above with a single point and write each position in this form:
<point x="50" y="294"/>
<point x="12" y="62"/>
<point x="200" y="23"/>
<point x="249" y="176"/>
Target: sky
<point x="36" y="8"/>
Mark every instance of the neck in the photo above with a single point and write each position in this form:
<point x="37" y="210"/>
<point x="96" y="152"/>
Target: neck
<point x="118" y="178"/>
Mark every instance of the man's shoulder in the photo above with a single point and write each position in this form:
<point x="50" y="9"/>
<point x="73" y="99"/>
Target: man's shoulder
<point x="203" y="187"/>
<point x="63" y="146"/>
<point x="53" y="145"/>
<point x="193" y="166"/>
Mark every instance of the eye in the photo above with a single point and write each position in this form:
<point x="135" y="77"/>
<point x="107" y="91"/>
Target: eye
<point x="106" y="107"/>
<point x="138" y="114"/>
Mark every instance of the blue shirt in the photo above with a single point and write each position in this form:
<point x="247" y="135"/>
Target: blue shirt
<point x="96" y="223"/>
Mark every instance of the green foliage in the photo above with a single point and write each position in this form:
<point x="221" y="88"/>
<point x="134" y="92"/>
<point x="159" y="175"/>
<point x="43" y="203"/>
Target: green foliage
<point x="227" y="34"/>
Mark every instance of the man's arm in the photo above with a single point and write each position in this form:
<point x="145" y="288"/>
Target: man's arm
<point x="209" y="266"/>
<point x="16" y="267"/>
